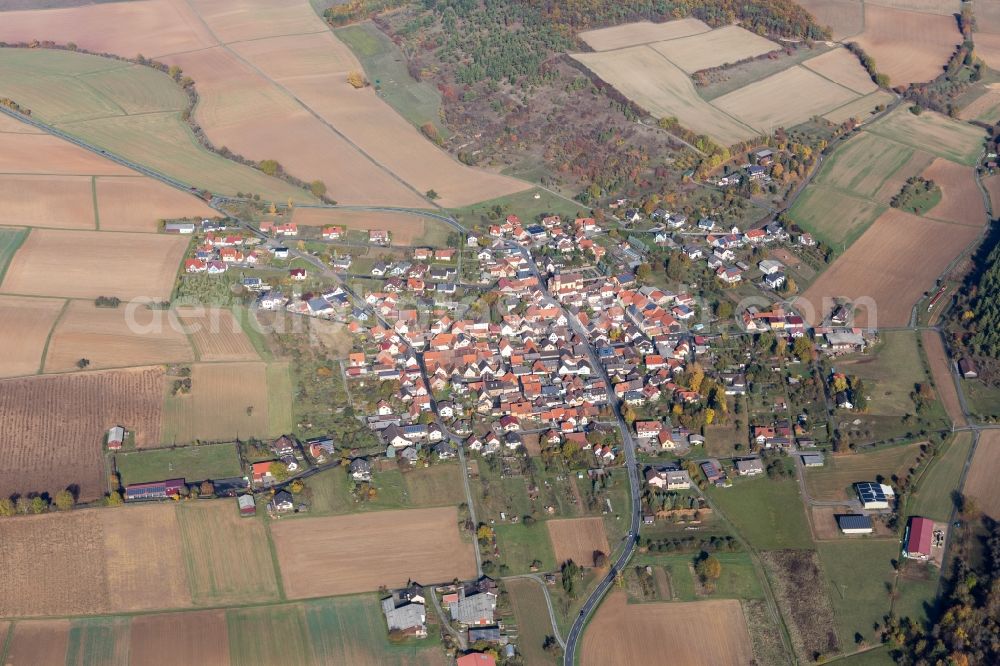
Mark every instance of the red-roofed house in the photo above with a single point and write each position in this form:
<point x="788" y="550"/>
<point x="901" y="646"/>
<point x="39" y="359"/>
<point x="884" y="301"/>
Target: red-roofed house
<point x="476" y="659"/>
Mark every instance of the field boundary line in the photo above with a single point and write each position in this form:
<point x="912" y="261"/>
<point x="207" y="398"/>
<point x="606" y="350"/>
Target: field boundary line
<point x="273" y="551"/>
<point x="93" y="196"/>
<point x="856" y="94"/>
<point x="48" y="339"/>
<point x="13" y="252"/>
<point x="8" y="639"/>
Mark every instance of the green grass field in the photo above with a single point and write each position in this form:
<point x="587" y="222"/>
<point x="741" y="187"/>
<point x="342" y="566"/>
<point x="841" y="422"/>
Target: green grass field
<point x="834" y="480"/>
<point x="437" y="485"/>
<point x="890" y="371"/>
<point x="913" y="597"/>
<point x="863" y="164"/>
<point x="769" y="514"/>
<point x="532" y="620"/>
<point x="194" y="463"/>
<point x="228" y="558"/>
<point x="933" y="495"/>
<point x="385" y="67"/>
<point x="984" y="400"/>
<point x="523" y="204"/>
<point x="877" y="656"/>
<point x="923" y="202"/>
<point x="269" y="635"/>
<point x="738" y="580"/>
<point x="854" y="215"/>
<point x="934" y="133"/>
<point x="519" y="545"/>
<point x="857" y="574"/>
<point x="130" y="110"/>
<point x="349" y="630"/>
<point x="98" y="641"/>
<point x="11" y="239"/>
<point x="279" y="398"/>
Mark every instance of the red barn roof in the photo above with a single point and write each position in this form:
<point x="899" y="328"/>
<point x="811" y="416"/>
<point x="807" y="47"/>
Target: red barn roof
<point x="919" y="540"/>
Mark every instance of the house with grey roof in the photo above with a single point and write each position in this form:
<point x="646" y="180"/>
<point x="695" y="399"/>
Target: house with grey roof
<point x="473" y="609"/>
<point x="408" y="617"/>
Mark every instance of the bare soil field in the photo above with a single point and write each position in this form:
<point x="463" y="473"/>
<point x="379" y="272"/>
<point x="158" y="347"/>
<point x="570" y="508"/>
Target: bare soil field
<point x="227" y="557"/>
<point x="987" y="35"/>
<point x="766" y="106"/>
<point x="254" y="19"/>
<point x="892" y="264"/>
<point x="834" y="480"/>
<point x="216" y="334"/>
<point x="981" y="482"/>
<point x="908" y="46"/>
<point x="88" y="264"/>
<point x="53" y="565"/>
<point x="362" y="552"/>
<point x="944" y="383"/>
<point x="961" y="200"/>
<point x="194" y="637"/>
<point x="577" y="538"/>
<point x="137" y="204"/>
<point x="8" y="124"/>
<point x="405" y="229"/>
<point x="145" y="567"/>
<point x="664" y="90"/>
<point x="60" y="202"/>
<point x="24" y="327"/>
<point x="801" y="594"/>
<point x="640" y="32"/>
<point x="43" y="154"/>
<point x="698" y="633"/>
<point x="843" y="67"/>
<point x="115" y="338"/>
<point x="75" y="411"/>
<point x="39" y="642"/>
<point x="844" y="17"/>
<point x="727" y="44"/>
<point x="942" y="7"/>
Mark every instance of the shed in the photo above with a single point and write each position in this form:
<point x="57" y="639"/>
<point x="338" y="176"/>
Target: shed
<point x="812" y="459"/>
<point x="854" y="524"/>
<point x="919" y="534"/>
<point x="247" y="505"/>
<point x="116" y="436"/>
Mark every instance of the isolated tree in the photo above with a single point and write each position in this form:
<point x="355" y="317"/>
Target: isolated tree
<point x="207" y="489"/>
<point x="318" y="188"/>
<point x="269" y="167"/>
<point x="6" y="508"/>
<point x="356" y="79"/>
<point x="708" y="567"/>
<point x="83" y="363"/>
<point x="432" y="195"/>
<point x="64" y="500"/>
<point x="600" y="559"/>
<point x="297" y="486"/>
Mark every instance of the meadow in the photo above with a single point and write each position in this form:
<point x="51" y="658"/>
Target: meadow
<point x="859" y="576"/>
<point x="833" y="481"/>
<point x="934" y="495"/>
<point x="768" y="513"/>
<point x="194" y="463"/>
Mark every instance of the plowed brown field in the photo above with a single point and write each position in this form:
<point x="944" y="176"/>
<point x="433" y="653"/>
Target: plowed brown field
<point x="961" y="200"/>
<point x="137" y="204"/>
<point x="362" y="552"/>
<point x="700" y="633"/>
<point x="61" y="421"/>
<point x="115" y="338"/>
<point x="940" y="365"/>
<point x="981" y="482"/>
<point x="577" y="538"/>
<point x="217" y="335"/>
<point x="88" y="264"/>
<point x="890" y="266"/>
<point x="908" y="46"/>
<point x="24" y="326"/>
<point x="196" y="637"/>
<point x="60" y="202"/>
<point x="39" y="642"/>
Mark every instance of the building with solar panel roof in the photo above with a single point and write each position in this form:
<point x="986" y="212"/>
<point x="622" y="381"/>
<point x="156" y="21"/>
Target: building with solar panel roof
<point x="874" y="495"/>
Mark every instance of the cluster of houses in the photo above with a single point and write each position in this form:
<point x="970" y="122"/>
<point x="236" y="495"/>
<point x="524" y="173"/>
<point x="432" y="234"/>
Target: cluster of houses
<point x="470" y="605"/>
<point x="217" y="252"/>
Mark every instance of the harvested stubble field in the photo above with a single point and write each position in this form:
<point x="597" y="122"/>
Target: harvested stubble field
<point x="93" y="561"/>
<point x="865" y="164"/>
<point x="942" y="7"/>
<point x="714" y="48"/>
<point x="75" y="411"/>
<point x="227" y="401"/>
<point x="698" y="633"/>
<point x="38" y="642"/>
<point x="892" y="264"/>
<point x="60" y="202"/>
<point x="841" y="66"/>
<point x="987" y="34"/>
<point x="361" y="552"/>
<point x="908" y="46"/>
<point x="854" y="214"/>
<point x="24" y="327"/>
<point x="115" y="338"/>
<point x="640" y="32"/>
<point x="98" y="641"/>
<point x="798" y="584"/>
<point x="765" y="106"/>
<point x="405" y="228"/>
<point x="664" y="90"/>
<point x="860" y="109"/>
<point x="577" y="538"/>
<point x="961" y="200"/>
<point x="216" y="334"/>
<point x="844" y="17"/>
<point x="45" y="155"/>
<point x="227" y="557"/>
<point x="833" y="480"/>
<point x="372" y="156"/>
<point x="981" y="481"/>
<point x="195" y="637"/>
<point x="137" y="204"/>
<point x="986" y="107"/>
<point x="88" y="264"/>
<point x="269" y="635"/>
